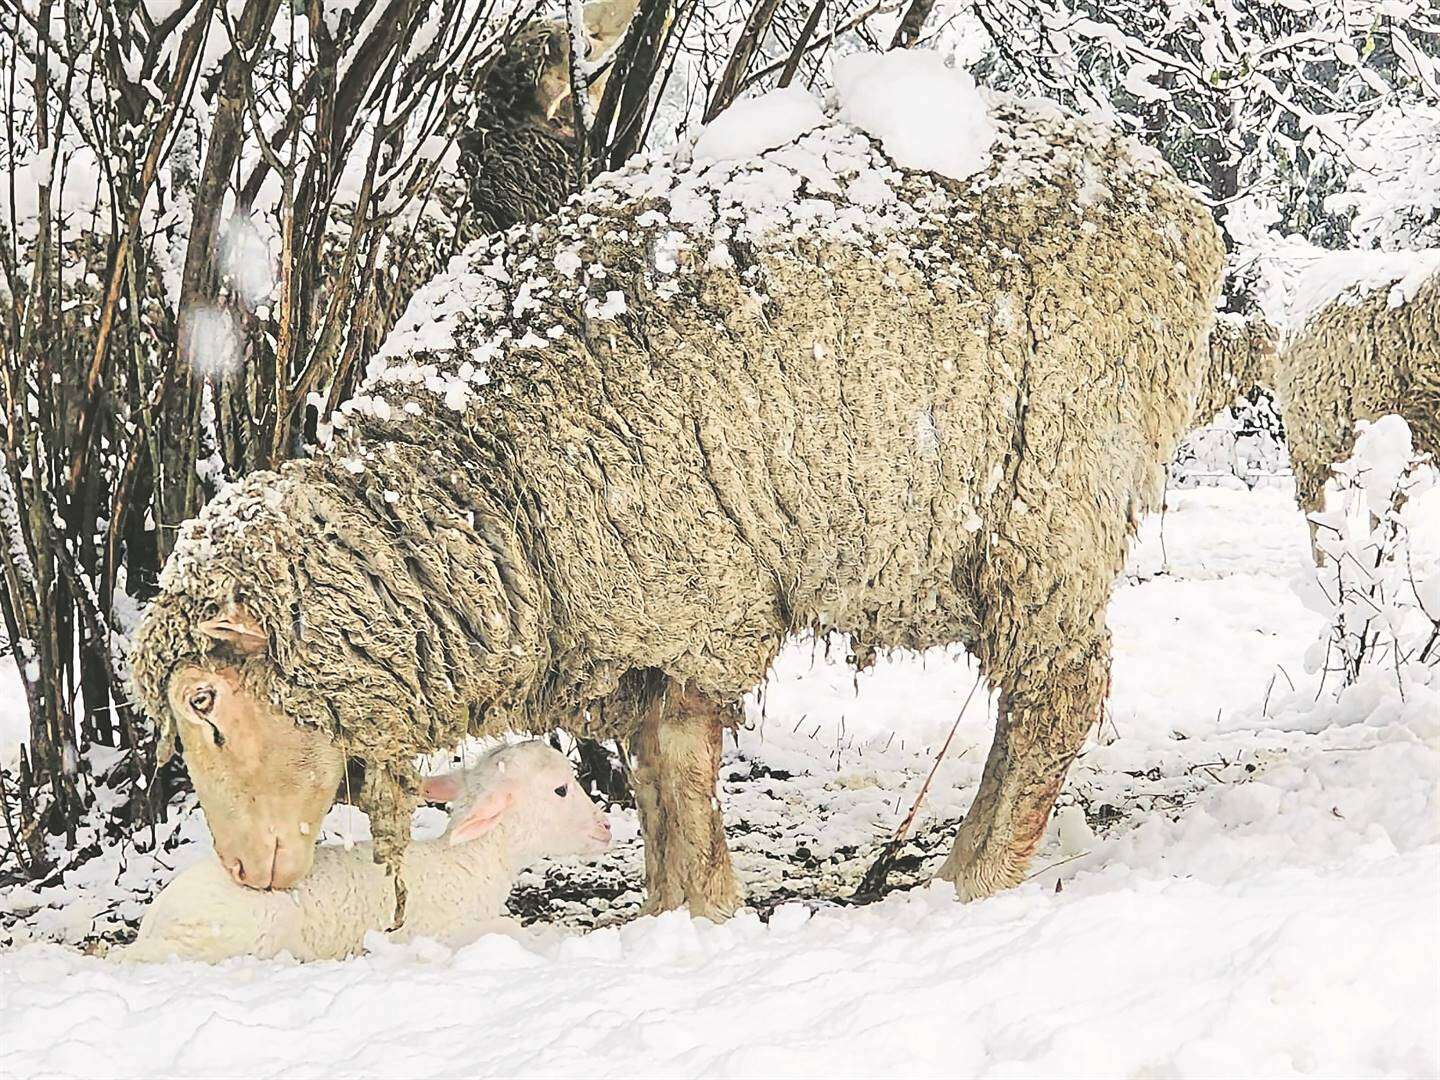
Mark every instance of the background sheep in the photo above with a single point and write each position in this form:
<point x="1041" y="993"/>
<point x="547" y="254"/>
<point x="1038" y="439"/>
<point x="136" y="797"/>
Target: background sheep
<point x="520" y="155"/>
<point x="1359" y="358"/>
<point x="518" y="804"/>
<point x="613" y="461"/>
<point x="1241" y="357"/>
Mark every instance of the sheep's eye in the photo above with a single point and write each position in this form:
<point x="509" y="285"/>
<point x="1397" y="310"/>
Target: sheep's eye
<point x="562" y="789"/>
<point x="203" y="700"/>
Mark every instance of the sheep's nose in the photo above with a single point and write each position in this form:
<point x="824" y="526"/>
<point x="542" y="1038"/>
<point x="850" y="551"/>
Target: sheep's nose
<point x="257" y="875"/>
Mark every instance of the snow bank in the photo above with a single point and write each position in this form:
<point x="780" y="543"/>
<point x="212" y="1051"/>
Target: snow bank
<point x="753" y="125"/>
<point x="926" y="115"/>
<point x="1189" y="979"/>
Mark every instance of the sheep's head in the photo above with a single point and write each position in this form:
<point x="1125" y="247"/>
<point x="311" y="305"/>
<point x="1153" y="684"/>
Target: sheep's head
<point x="532" y="81"/>
<point x="531" y="789"/>
<point x="264" y="781"/>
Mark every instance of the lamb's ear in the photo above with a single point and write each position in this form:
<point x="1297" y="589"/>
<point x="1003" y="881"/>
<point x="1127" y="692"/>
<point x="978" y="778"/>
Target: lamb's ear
<point x="441" y="788"/>
<point x="482" y="817"/>
<point x="238" y="629"/>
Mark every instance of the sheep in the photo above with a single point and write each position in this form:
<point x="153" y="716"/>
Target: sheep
<point x="1241" y="358"/>
<point x="516" y="805"/>
<point x="519" y="156"/>
<point x="1358" y="358"/>
<point x="609" y="462"/>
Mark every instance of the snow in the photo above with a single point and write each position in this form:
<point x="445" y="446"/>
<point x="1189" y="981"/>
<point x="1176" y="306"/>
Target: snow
<point x="1242" y="879"/>
<point x="212" y="344"/>
<point x="753" y="125"/>
<point x="926" y="115"/>
<point x="1297" y="279"/>
<point x="247" y="260"/>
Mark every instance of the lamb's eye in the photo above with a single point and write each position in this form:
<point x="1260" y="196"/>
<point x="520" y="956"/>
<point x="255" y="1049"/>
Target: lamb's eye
<point x="562" y="789"/>
<point x="203" y="700"/>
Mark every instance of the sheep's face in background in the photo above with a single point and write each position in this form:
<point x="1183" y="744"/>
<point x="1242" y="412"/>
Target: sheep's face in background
<point x="606" y="22"/>
<point x="531" y="788"/>
<point x="264" y="781"/>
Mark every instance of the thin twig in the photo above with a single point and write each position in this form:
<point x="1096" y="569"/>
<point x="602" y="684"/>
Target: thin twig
<point x="873" y="883"/>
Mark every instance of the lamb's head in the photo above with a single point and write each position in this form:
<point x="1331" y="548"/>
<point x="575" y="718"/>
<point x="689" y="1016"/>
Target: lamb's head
<point x="530" y="789"/>
<point x="264" y="781"/>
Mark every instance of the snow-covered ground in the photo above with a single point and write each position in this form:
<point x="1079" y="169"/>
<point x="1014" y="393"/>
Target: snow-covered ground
<point x="1244" y="879"/>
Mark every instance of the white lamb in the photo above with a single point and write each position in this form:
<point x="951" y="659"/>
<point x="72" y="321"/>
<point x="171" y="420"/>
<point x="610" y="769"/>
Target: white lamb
<point x="518" y="804"/>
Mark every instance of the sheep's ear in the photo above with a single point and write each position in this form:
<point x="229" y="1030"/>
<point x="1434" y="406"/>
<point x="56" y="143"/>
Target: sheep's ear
<point x="441" y="788"/>
<point x="482" y="817"/>
<point x="238" y="629"/>
<point x="165" y="742"/>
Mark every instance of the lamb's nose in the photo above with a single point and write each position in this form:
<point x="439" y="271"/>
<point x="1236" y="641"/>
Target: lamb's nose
<point x="236" y="870"/>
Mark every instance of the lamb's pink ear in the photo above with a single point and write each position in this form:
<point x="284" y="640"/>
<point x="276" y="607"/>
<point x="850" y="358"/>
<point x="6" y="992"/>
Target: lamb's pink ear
<point x="441" y="788"/>
<point x="238" y="629"/>
<point x="482" y="817"/>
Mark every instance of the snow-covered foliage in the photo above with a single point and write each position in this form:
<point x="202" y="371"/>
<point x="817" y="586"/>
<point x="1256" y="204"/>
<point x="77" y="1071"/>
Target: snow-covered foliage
<point x="1257" y="98"/>
<point x="1392" y="195"/>
<point x="1378" y="584"/>
<point x="1243" y="444"/>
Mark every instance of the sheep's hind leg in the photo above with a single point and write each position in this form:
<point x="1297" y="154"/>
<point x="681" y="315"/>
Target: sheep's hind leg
<point x="1045" y="713"/>
<point x="676" y="769"/>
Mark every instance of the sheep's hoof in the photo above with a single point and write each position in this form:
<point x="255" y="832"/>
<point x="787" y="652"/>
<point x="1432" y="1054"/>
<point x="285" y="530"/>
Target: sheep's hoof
<point x="716" y="900"/>
<point x="716" y="913"/>
<point x="983" y="869"/>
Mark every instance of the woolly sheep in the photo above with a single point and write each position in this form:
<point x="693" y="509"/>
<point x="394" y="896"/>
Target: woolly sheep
<point x="1241" y="357"/>
<point x="607" y="463"/>
<point x="1359" y="358"/>
<point x="516" y="805"/>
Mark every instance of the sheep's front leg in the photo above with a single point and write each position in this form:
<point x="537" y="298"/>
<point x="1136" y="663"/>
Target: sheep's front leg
<point x="1045" y="713"/>
<point x="677" y="764"/>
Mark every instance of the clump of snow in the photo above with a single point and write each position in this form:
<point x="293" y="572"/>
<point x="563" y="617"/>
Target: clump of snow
<point x="246" y="259"/>
<point x="211" y="343"/>
<point x="751" y="126"/>
<point x="926" y="115"/>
